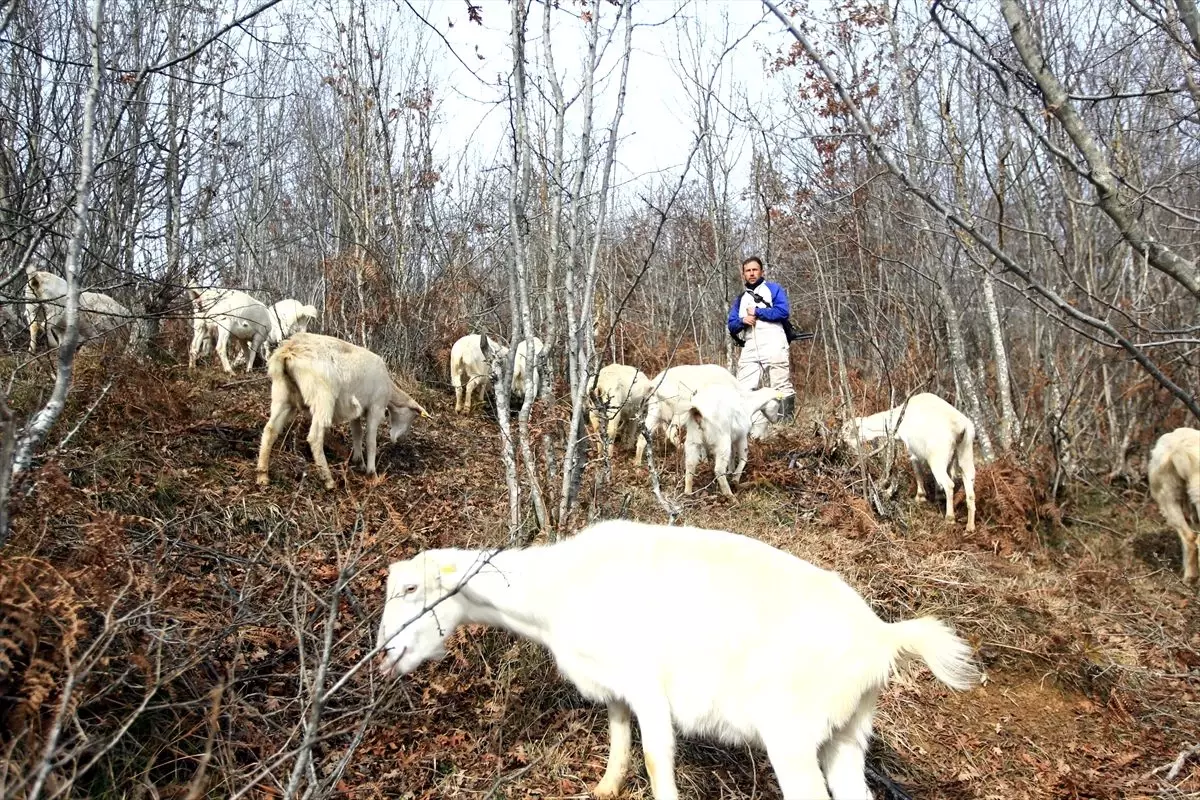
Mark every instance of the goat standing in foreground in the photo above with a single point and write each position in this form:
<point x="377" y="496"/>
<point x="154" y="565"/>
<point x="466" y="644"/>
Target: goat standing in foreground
<point x="1174" y="473"/>
<point x="936" y="434"/>
<point x="718" y="424"/>
<point x="337" y="382"/>
<point x="713" y="633"/>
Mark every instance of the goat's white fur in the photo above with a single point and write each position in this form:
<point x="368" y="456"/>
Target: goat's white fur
<point x="337" y="382"/>
<point x="526" y="354"/>
<point x="616" y="400"/>
<point x="711" y="633"/>
<point x="46" y="294"/>
<point x="718" y="424"/>
<point x="471" y="368"/>
<point x="1174" y="473"/>
<point x="936" y="434"/>
<point x="670" y="395"/>
<point x="290" y="316"/>
<point x="235" y="315"/>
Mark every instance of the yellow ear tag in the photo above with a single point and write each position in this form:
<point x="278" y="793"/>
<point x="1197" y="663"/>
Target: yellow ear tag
<point x="449" y="569"/>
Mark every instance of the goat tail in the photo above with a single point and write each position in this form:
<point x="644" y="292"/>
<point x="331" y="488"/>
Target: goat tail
<point x="277" y="369"/>
<point x="947" y="654"/>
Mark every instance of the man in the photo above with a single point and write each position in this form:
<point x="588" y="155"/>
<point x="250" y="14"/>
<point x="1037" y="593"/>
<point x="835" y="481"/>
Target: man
<point x="759" y="320"/>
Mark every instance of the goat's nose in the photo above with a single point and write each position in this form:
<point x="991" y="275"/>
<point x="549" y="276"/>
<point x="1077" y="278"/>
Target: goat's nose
<point x="388" y="661"/>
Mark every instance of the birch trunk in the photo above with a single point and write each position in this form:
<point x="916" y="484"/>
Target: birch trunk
<point x="44" y="419"/>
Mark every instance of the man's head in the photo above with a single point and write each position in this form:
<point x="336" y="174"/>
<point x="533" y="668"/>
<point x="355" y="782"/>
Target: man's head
<point x="752" y="269"/>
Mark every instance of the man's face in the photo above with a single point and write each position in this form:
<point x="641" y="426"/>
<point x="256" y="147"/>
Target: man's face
<point x="751" y="272"/>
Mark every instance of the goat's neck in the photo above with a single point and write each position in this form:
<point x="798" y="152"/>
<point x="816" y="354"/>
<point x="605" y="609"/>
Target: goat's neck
<point x="881" y="424"/>
<point x="510" y="591"/>
<point x="758" y="399"/>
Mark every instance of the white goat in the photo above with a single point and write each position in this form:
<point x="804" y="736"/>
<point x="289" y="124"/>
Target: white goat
<point x="670" y="395"/>
<point x="718" y="424"/>
<point x="47" y="295"/>
<point x="712" y="633"/>
<point x="1174" y="473"/>
<point x="526" y="354"/>
<point x="471" y="360"/>
<point x="288" y="317"/>
<point x="616" y="399"/>
<point x="337" y="382"/>
<point x="936" y="435"/>
<point x="234" y="314"/>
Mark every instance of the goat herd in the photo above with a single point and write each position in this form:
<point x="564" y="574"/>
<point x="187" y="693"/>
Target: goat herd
<point x="711" y="633"/>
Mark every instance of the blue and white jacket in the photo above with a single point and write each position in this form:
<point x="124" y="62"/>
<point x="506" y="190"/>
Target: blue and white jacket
<point x="765" y="341"/>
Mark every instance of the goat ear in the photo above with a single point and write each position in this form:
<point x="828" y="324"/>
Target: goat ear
<point x="483" y="345"/>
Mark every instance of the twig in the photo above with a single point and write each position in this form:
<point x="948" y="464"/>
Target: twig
<point x="1175" y="767"/>
<point x="893" y="790"/>
<point x="87" y="415"/>
<point x="244" y="381"/>
<point x="512" y="776"/>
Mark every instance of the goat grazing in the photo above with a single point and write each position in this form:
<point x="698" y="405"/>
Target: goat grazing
<point x="1174" y="473"/>
<point x="521" y="363"/>
<point x="337" y="382"/>
<point x="616" y="399"/>
<point x="936" y="434"/>
<point x="46" y="294"/>
<point x="234" y="314"/>
<point x="471" y="359"/>
<point x="670" y="395"/>
<point x="711" y="633"/>
<point x="718" y="424"/>
<point x="288" y="317"/>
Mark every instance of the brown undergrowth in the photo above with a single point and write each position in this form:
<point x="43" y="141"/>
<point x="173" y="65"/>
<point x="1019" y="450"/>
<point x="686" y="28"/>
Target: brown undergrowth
<point x="164" y="623"/>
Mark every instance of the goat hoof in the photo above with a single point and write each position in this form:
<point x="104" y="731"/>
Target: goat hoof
<point x="262" y="479"/>
<point x="604" y="791"/>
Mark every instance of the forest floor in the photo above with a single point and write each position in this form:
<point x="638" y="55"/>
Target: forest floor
<point x="191" y="612"/>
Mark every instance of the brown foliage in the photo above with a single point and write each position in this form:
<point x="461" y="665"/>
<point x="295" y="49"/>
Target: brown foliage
<point x="152" y="509"/>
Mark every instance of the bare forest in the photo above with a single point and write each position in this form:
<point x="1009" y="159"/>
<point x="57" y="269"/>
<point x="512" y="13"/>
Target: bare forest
<point x="998" y="203"/>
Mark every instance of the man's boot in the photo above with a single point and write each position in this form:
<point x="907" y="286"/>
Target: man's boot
<point x="788" y="406"/>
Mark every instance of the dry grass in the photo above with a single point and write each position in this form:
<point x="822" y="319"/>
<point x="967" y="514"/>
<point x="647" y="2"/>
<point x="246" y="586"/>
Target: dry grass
<point x="1088" y="638"/>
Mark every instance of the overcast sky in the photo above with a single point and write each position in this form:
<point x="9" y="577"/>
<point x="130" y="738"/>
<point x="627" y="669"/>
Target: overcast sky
<point x="658" y="127"/>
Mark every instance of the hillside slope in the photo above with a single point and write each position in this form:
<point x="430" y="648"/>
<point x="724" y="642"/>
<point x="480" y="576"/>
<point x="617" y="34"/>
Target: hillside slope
<point x="188" y="630"/>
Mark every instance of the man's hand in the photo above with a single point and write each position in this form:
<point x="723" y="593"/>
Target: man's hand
<point x="750" y="318"/>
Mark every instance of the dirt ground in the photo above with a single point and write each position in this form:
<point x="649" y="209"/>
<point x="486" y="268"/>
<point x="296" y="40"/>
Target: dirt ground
<point x="144" y="538"/>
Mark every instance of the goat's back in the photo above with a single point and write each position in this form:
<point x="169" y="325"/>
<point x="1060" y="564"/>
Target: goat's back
<point x="719" y="408"/>
<point x="321" y="369"/>
<point x="929" y="421"/>
<point x="727" y="625"/>
<point x="1175" y="466"/>
<point x="217" y="302"/>
<point x="615" y="382"/>
<point x="673" y="387"/>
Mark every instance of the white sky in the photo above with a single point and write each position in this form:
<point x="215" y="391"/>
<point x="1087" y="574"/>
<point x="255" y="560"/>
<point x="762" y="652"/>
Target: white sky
<point x="657" y="129"/>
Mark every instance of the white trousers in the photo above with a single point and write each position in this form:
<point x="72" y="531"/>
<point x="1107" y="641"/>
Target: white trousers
<point x="777" y="372"/>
